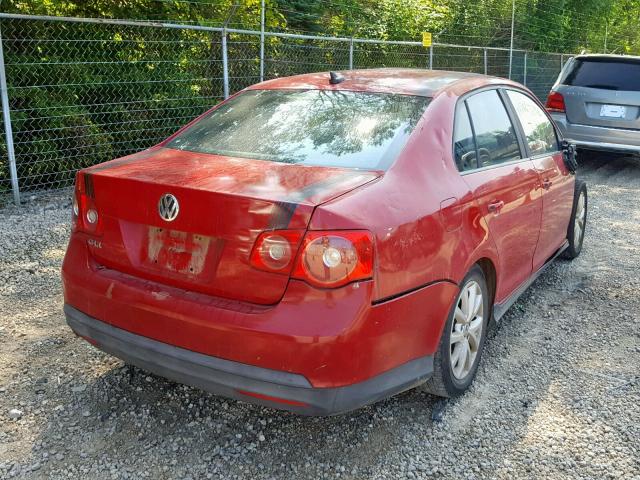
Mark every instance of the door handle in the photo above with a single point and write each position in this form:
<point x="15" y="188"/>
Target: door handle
<point x="546" y="184"/>
<point x="495" y="207"/>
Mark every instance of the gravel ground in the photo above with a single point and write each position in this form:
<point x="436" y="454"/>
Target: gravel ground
<point x="557" y="394"/>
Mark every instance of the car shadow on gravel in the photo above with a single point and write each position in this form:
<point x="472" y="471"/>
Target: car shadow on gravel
<point x="127" y="406"/>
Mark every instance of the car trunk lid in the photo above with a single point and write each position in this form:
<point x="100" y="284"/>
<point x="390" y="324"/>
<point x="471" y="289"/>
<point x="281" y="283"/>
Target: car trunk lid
<point x="224" y="204"/>
<point x="602" y="108"/>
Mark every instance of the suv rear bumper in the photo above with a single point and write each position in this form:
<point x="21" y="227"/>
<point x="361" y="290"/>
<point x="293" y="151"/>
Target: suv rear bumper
<point x="607" y="147"/>
<point x="599" y="138"/>
<point x="250" y="383"/>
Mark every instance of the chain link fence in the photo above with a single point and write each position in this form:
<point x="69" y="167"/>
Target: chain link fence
<point x="82" y="91"/>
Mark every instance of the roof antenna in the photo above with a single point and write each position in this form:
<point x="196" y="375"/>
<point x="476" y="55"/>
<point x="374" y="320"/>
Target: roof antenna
<point x="335" y="78"/>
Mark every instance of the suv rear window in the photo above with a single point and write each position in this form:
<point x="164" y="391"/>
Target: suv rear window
<point x="605" y="73"/>
<point x="309" y="127"/>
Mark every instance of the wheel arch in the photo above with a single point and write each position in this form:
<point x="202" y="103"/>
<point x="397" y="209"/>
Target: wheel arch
<point x="490" y="275"/>
<point x="488" y="267"/>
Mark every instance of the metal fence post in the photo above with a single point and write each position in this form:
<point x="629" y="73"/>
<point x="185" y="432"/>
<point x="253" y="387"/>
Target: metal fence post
<point x="513" y="26"/>
<point x="561" y="61"/>
<point x="225" y="65"/>
<point x="351" y="54"/>
<point x="262" y="41"/>
<point x="431" y="57"/>
<point x="486" y="69"/>
<point x="6" y="116"/>
<point x="524" y="81"/>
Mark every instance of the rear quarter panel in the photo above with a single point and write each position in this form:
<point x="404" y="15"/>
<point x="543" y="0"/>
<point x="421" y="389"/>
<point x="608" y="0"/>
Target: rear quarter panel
<point x="426" y="224"/>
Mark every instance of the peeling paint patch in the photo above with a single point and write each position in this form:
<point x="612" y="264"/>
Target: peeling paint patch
<point x="175" y="251"/>
<point x="160" y="295"/>
<point x="110" y="291"/>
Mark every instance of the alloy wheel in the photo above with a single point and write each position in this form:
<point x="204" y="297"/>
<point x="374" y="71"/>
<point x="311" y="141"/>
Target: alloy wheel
<point x="466" y="330"/>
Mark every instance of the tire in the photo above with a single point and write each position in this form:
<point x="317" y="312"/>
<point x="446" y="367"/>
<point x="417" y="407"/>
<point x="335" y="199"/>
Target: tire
<point x="448" y="380"/>
<point x="577" y="222"/>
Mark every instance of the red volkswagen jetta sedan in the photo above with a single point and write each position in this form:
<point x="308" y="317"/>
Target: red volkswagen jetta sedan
<point x="320" y="242"/>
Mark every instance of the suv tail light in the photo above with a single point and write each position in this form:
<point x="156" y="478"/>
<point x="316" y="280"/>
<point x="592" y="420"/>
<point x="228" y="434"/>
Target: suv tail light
<point x="555" y="102"/>
<point x="326" y="259"/>
<point x="85" y="216"/>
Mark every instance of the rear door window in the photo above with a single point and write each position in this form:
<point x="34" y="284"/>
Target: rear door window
<point x="538" y="129"/>
<point x="495" y="135"/>
<point x="464" y="145"/>
<point x="605" y="73"/>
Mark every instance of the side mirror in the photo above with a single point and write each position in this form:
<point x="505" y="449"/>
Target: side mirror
<point x="570" y="156"/>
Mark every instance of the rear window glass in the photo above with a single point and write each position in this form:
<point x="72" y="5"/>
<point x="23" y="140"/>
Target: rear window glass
<point x="605" y="73"/>
<point x="309" y="127"/>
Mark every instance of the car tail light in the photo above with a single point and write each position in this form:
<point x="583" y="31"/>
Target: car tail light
<point x="330" y="259"/>
<point x="85" y="216"/>
<point x="275" y="251"/>
<point x="326" y="259"/>
<point x="555" y="102"/>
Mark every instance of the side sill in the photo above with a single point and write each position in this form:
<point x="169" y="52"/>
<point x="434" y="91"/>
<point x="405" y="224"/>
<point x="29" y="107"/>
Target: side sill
<point x="499" y="309"/>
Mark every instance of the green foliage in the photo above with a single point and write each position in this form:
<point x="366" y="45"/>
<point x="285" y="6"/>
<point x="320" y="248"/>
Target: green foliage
<point x="82" y="94"/>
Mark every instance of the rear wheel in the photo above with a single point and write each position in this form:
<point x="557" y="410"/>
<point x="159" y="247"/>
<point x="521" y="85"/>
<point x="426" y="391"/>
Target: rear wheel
<point x="457" y="358"/>
<point x="578" y="221"/>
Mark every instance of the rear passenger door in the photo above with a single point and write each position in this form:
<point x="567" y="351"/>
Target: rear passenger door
<point x="541" y="143"/>
<point x="504" y="183"/>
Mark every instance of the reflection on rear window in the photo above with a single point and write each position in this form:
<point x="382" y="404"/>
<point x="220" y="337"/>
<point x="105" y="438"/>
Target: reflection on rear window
<point x="310" y="127"/>
<point x="606" y="74"/>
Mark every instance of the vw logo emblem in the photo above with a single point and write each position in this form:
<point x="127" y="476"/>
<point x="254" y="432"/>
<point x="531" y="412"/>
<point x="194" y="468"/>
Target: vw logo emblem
<point x="168" y="207"/>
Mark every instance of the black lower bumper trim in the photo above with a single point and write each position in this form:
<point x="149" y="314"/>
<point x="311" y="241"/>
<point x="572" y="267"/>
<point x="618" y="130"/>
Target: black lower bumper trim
<point x="229" y="379"/>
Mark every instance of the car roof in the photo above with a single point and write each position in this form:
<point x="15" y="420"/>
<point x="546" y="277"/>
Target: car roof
<point x="406" y="81"/>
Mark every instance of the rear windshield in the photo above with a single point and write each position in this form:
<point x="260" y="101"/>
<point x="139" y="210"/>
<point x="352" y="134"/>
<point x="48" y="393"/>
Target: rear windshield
<point x="604" y="73"/>
<point x="309" y="127"/>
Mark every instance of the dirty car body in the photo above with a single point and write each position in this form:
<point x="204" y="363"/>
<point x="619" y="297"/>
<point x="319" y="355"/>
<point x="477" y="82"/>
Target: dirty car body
<point x="312" y="267"/>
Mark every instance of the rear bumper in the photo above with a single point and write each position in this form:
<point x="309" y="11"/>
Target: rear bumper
<point x="250" y="383"/>
<point x="331" y="337"/>
<point x="599" y="138"/>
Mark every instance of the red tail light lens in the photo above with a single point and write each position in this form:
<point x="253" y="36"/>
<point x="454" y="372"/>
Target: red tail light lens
<point x="275" y="251"/>
<point x="326" y="259"/>
<point x="555" y="102"/>
<point x="85" y="216"/>
<point x="334" y="258"/>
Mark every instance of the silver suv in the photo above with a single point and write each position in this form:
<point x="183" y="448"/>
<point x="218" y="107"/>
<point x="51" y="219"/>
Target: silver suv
<point x="596" y="102"/>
